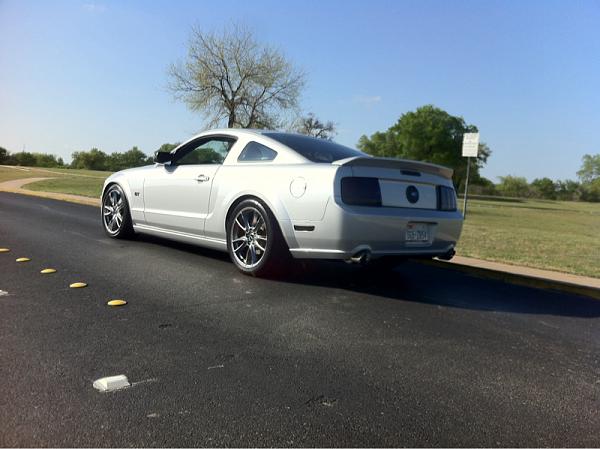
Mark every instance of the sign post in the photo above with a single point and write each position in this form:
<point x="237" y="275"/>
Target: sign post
<point x="470" y="148"/>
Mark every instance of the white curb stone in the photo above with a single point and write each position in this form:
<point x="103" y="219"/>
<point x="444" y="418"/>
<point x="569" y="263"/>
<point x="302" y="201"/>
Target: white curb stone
<point x="111" y="383"/>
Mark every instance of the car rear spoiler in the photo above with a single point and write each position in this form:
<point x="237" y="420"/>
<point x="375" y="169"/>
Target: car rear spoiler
<point x="401" y="164"/>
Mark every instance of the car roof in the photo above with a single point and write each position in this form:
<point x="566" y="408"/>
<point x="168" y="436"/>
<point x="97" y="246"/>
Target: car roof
<point x="246" y="133"/>
<point x="272" y="138"/>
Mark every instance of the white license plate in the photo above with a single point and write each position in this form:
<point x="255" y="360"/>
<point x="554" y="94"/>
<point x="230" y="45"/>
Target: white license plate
<point x="417" y="233"/>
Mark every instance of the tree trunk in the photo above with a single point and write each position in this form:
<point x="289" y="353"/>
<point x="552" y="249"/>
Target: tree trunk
<point x="231" y="120"/>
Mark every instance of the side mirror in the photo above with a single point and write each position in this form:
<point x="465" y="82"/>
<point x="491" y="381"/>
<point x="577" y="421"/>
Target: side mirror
<point x="162" y="157"/>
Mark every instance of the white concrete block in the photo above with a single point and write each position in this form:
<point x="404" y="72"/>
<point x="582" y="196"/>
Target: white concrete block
<point x="111" y="383"/>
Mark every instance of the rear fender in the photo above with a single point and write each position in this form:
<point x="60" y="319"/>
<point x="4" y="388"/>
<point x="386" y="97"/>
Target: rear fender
<point x="275" y="205"/>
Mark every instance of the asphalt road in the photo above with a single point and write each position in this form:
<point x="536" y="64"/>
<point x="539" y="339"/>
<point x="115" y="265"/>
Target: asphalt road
<point x="330" y="356"/>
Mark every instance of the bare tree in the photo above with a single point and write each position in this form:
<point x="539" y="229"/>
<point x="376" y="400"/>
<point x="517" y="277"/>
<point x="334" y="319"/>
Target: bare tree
<point x="231" y="78"/>
<point x="312" y="126"/>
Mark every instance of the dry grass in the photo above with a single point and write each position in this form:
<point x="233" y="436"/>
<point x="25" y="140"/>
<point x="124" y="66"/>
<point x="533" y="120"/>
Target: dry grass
<point x="553" y="235"/>
<point x="76" y="182"/>
<point x="84" y="186"/>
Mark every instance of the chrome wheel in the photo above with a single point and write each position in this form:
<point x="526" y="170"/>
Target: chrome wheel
<point x="249" y="237"/>
<point x="113" y="208"/>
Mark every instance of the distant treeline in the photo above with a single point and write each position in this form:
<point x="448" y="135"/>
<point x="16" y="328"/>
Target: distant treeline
<point x="542" y="188"/>
<point x="586" y="189"/>
<point x="94" y="159"/>
<point x="27" y="159"/>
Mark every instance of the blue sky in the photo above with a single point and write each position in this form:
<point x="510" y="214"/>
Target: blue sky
<point x="79" y="74"/>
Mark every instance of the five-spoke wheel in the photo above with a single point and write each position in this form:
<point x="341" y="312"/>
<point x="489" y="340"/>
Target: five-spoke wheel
<point x="116" y="217"/>
<point x="249" y="237"/>
<point x="254" y="241"/>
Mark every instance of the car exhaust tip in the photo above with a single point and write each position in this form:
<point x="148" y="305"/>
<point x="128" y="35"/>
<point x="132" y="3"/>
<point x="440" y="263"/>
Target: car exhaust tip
<point x="362" y="257"/>
<point x="447" y="256"/>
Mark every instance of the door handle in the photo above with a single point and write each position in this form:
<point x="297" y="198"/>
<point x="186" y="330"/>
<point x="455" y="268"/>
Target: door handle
<point x="202" y="178"/>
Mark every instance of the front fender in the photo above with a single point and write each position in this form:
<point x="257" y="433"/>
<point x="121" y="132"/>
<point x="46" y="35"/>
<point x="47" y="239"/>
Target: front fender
<point x="136" y="205"/>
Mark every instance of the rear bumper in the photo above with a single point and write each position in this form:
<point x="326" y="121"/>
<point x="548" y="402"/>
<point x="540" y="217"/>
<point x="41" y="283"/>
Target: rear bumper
<point x="348" y="230"/>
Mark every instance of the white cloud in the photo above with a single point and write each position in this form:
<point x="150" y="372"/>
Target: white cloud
<point x="94" y="7"/>
<point x="367" y="100"/>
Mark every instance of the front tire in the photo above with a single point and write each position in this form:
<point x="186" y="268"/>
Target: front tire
<point x="254" y="240"/>
<point x="116" y="217"/>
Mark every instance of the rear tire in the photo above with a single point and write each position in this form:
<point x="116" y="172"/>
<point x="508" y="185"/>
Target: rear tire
<point x="116" y="217"/>
<point x="254" y="240"/>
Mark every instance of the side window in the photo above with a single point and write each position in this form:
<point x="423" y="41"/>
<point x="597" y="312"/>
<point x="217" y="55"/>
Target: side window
<point x="256" y="152"/>
<point x="211" y="151"/>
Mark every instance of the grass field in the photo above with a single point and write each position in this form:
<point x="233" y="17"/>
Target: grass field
<point x="78" y="182"/>
<point x="552" y="235"/>
<point x="85" y="186"/>
<point x="9" y="173"/>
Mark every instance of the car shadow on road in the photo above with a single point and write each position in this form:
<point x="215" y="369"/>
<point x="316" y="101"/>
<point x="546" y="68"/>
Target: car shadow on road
<point x="424" y="283"/>
<point x="417" y="282"/>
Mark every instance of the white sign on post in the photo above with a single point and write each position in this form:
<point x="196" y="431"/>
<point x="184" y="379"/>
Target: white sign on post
<point x="470" y="145"/>
<point x="470" y="148"/>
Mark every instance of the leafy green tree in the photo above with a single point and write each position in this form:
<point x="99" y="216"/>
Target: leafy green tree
<point x="590" y="191"/>
<point x="47" y="160"/>
<point x="30" y="159"/>
<point x="544" y="188"/>
<point x="134" y="157"/>
<point x="3" y="155"/>
<point x="24" y="158"/>
<point x="568" y="190"/>
<point x="129" y="159"/>
<point x="482" y="186"/>
<point x="114" y="161"/>
<point x="90" y="160"/>
<point x="590" y="178"/>
<point x="590" y="168"/>
<point x="428" y="134"/>
<point x="514" y="186"/>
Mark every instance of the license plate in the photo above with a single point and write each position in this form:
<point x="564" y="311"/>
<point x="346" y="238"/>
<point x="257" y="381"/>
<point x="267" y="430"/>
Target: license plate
<point x="417" y="233"/>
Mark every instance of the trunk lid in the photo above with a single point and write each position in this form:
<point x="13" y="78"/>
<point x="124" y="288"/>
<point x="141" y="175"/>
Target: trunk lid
<point x="402" y="183"/>
<point x="397" y="164"/>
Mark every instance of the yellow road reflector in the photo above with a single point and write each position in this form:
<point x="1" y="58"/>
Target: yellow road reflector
<point x="78" y="285"/>
<point x="48" y="271"/>
<point x="4" y="250"/>
<point x="116" y="302"/>
<point x="23" y="259"/>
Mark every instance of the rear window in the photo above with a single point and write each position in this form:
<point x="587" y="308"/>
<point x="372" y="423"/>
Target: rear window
<point x="314" y="149"/>
<point x="256" y="152"/>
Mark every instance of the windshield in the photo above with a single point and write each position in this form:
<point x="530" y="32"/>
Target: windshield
<point x="314" y="149"/>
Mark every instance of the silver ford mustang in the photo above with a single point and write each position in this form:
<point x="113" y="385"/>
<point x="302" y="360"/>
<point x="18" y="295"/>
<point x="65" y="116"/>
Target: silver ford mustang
<point x="265" y="195"/>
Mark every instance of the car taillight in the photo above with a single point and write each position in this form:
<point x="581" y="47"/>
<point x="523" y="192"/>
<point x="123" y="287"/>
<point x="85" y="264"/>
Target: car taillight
<point x="446" y="198"/>
<point x="361" y="191"/>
